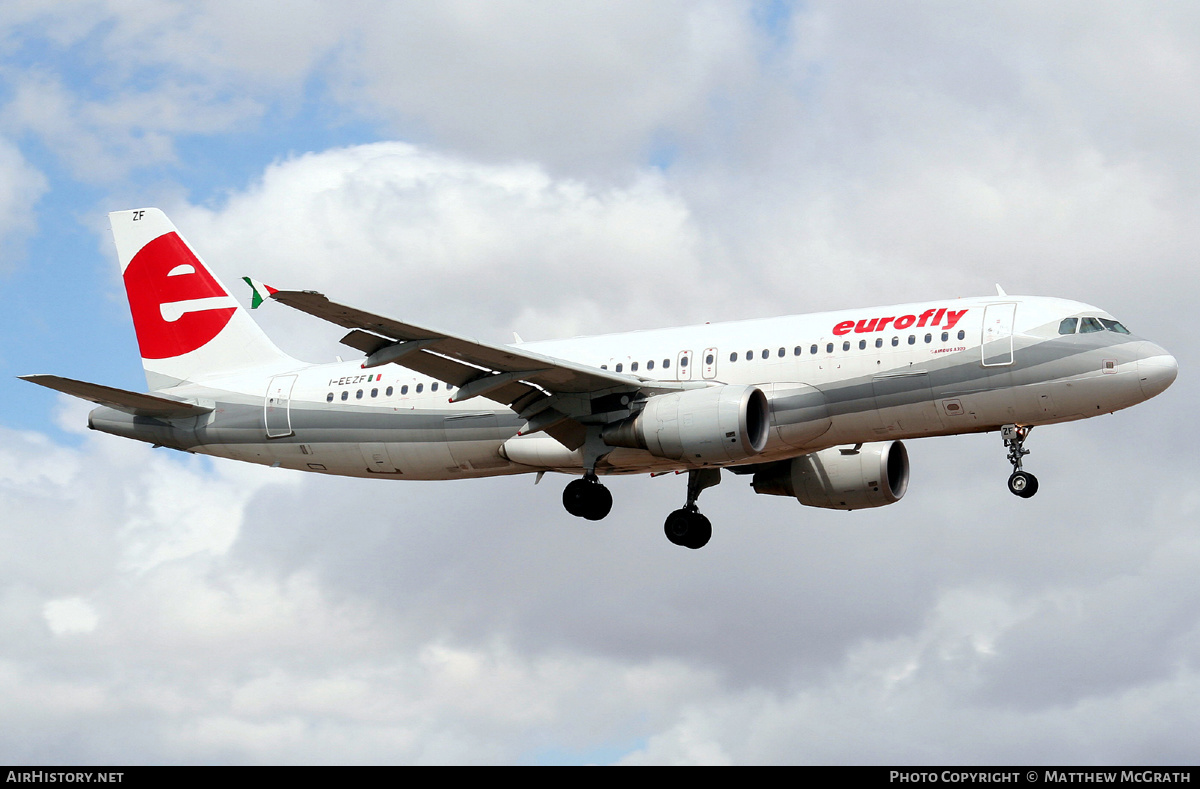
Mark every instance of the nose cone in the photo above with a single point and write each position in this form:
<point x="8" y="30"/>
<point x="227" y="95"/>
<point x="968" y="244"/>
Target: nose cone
<point x="1156" y="371"/>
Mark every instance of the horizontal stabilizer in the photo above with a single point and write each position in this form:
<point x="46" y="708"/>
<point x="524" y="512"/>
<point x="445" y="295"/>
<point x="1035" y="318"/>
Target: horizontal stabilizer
<point x="130" y="402"/>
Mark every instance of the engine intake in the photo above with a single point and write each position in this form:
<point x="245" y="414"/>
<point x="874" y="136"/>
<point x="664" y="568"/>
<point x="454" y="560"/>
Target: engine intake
<point x="717" y="424"/>
<point x="841" y="478"/>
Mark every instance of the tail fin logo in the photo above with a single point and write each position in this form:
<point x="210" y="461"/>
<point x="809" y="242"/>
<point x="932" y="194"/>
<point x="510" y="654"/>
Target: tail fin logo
<point x="176" y="303"/>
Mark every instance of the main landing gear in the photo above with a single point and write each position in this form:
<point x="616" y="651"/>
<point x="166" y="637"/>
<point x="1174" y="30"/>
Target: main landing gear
<point x="587" y="498"/>
<point x="1021" y="483"/>
<point x="686" y="526"/>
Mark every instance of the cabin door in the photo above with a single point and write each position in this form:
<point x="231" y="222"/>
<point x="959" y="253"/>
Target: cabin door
<point x="997" y="345"/>
<point x="277" y="406"/>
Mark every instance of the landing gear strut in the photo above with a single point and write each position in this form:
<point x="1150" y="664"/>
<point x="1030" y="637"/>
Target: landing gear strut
<point x="587" y="498"/>
<point x="686" y="526"/>
<point x="1021" y="483"/>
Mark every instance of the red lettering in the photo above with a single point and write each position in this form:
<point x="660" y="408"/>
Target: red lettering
<point x="929" y="317"/>
<point x="953" y="318"/>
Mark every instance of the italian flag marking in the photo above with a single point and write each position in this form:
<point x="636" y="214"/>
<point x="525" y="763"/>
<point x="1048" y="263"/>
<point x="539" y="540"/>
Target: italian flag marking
<point x="261" y="292"/>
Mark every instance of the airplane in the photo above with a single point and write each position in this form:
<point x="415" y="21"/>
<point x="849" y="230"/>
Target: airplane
<point x="813" y="407"/>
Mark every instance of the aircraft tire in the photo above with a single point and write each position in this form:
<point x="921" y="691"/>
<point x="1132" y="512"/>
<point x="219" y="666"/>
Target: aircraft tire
<point x="688" y="528"/>
<point x="676" y="527"/>
<point x="600" y="502"/>
<point x="699" y="531"/>
<point x="1023" y="484"/>
<point x="587" y="499"/>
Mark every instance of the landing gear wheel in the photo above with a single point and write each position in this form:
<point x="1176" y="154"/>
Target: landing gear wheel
<point x="676" y="527"/>
<point x="587" y="498"/>
<point x="688" y="528"/>
<point x="1023" y="484"/>
<point x="600" y="504"/>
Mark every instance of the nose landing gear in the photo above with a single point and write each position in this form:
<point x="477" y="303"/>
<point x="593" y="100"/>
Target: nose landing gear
<point x="1021" y="483"/>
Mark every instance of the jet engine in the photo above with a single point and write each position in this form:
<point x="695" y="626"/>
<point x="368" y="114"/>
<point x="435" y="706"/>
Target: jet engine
<point x="841" y="478"/>
<point x="717" y="424"/>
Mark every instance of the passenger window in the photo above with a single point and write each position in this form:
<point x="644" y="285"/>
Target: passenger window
<point x="945" y="336"/>
<point x="420" y="387"/>
<point x="620" y="367"/>
<point x="633" y="367"/>
<point x="878" y="342"/>
<point x="374" y="393"/>
<point x="813" y="350"/>
<point x="895" y="341"/>
<point x="962" y="335"/>
<point x="749" y="356"/>
<point x="829" y="348"/>
<point x="389" y="391"/>
<point x="782" y="353"/>
<point x="1089" y="325"/>
<point x="666" y="364"/>
<point x="433" y="386"/>
<point x="329" y="399"/>
<point x="912" y="339"/>
<point x="733" y="356"/>
<point x="604" y="367"/>
<point x="346" y="394"/>
<point x="1068" y="325"/>
<point x="358" y="395"/>
<point x="797" y="351"/>
<point x="650" y="365"/>
<point x="404" y="389"/>
<point x="862" y="344"/>
<point x="928" y="338"/>
<point x="766" y="353"/>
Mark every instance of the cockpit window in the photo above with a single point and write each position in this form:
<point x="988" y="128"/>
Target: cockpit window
<point x="1089" y="325"/>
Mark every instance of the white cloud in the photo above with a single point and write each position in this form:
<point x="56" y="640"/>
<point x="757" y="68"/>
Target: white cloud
<point x="415" y="623"/>
<point x="580" y="84"/>
<point x="445" y="241"/>
<point x="70" y="615"/>
<point x="21" y="186"/>
<point x="591" y="85"/>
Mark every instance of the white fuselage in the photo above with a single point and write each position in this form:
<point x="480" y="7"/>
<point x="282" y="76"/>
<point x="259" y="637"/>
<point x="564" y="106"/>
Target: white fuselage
<point x="847" y="377"/>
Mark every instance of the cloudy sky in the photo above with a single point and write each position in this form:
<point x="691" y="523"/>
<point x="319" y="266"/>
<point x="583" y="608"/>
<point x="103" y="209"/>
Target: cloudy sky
<point x="569" y="168"/>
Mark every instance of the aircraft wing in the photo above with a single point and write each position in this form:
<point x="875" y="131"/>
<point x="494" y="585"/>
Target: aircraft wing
<point x="549" y="392"/>
<point x="134" y="403"/>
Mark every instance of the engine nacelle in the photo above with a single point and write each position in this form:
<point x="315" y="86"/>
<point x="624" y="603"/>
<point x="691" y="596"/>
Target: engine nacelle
<point x="841" y="478"/>
<point x="717" y="424"/>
